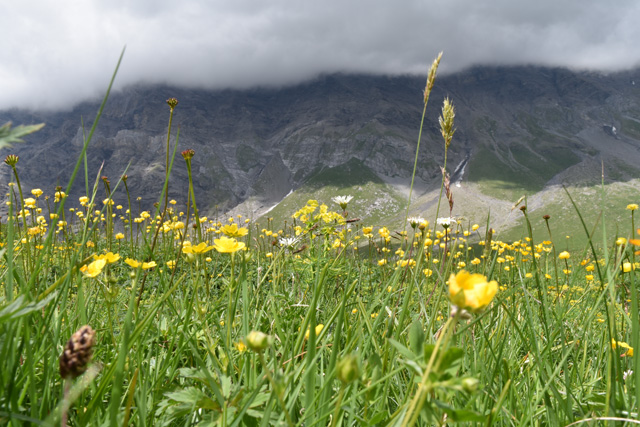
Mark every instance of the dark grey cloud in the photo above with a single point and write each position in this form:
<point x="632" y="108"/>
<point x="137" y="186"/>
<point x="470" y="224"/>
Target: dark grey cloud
<point x="55" y="54"/>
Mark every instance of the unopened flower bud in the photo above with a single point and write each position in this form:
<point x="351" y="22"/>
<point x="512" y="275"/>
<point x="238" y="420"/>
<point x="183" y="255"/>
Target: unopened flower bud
<point x="348" y="369"/>
<point x="173" y="102"/>
<point x="11" y="160"/>
<point x="188" y="154"/>
<point x="470" y="384"/>
<point x="258" y="341"/>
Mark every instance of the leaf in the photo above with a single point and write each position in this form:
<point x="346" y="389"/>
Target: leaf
<point x="402" y="349"/>
<point x="416" y="337"/>
<point x="225" y="383"/>
<point x="428" y="351"/>
<point x="194" y="398"/>
<point x="417" y="369"/>
<point x="450" y="357"/>
<point x="460" y="415"/>
<point x="17" y="308"/>
<point x="9" y="136"/>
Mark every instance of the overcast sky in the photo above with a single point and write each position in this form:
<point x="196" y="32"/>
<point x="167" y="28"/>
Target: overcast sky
<point x="56" y="53"/>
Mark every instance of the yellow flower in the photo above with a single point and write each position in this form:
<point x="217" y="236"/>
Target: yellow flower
<point x="384" y="232"/>
<point x="240" y="346"/>
<point x="119" y="236"/>
<point x="93" y="269"/>
<point x="171" y="264"/>
<point x="319" y="327"/>
<point x="201" y="248"/>
<point x="632" y="207"/>
<point x="232" y="230"/>
<point x="621" y="241"/>
<point x="58" y="195"/>
<point x="626" y="267"/>
<point x="226" y="245"/>
<point x="109" y="257"/>
<point x="471" y="291"/>
<point x="622" y="344"/>
<point x="36" y="192"/>
<point x="382" y="262"/>
<point x="564" y="255"/>
<point x="135" y="264"/>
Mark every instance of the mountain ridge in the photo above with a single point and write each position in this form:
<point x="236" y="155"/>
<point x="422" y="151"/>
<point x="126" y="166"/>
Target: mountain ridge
<point x="521" y="129"/>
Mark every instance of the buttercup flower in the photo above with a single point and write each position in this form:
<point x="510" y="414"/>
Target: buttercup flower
<point x="564" y="255"/>
<point x="109" y="257"/>
<point x="200" y="248"/>
<point x="471" y="291"/>
<point x="227" y="245"/>
<point x="232" y="230"/>
<point x="318" y="329"/>
<point x="93" y="269"/>
<point x="135" y="264"/>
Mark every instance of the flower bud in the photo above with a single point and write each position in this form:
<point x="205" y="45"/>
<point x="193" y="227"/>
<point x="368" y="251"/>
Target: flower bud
<point x="470" y="384"/>
<point x="188" y="154"/>
<point x="11" y="160"/>
<point x="258" y="341"/>
<point x="348" y="369"/>
<point x="172" y="102"/>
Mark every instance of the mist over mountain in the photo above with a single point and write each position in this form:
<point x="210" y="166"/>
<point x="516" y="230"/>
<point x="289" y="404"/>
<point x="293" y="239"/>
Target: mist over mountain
<point x="518" y="129"/>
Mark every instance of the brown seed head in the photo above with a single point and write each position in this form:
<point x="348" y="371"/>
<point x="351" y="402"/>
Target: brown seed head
<point x="125" y="177"/>
<point x="546" y="217"/>
<point x="77" y="353"/>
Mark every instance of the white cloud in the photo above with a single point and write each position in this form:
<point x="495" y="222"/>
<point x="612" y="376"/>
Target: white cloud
<point x="55" y="54"/>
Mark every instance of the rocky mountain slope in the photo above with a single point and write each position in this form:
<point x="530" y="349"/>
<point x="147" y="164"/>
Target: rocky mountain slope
<point x="519" y="130"/>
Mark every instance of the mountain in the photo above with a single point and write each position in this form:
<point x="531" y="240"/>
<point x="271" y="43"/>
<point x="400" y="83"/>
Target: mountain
<point x="520" y="131"/>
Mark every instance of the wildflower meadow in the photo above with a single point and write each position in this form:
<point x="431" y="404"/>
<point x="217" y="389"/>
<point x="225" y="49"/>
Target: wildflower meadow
<point x="111" y="315"/>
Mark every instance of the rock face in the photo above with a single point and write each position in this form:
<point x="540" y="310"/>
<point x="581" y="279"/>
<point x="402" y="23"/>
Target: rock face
<point x="522" y="126"/>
